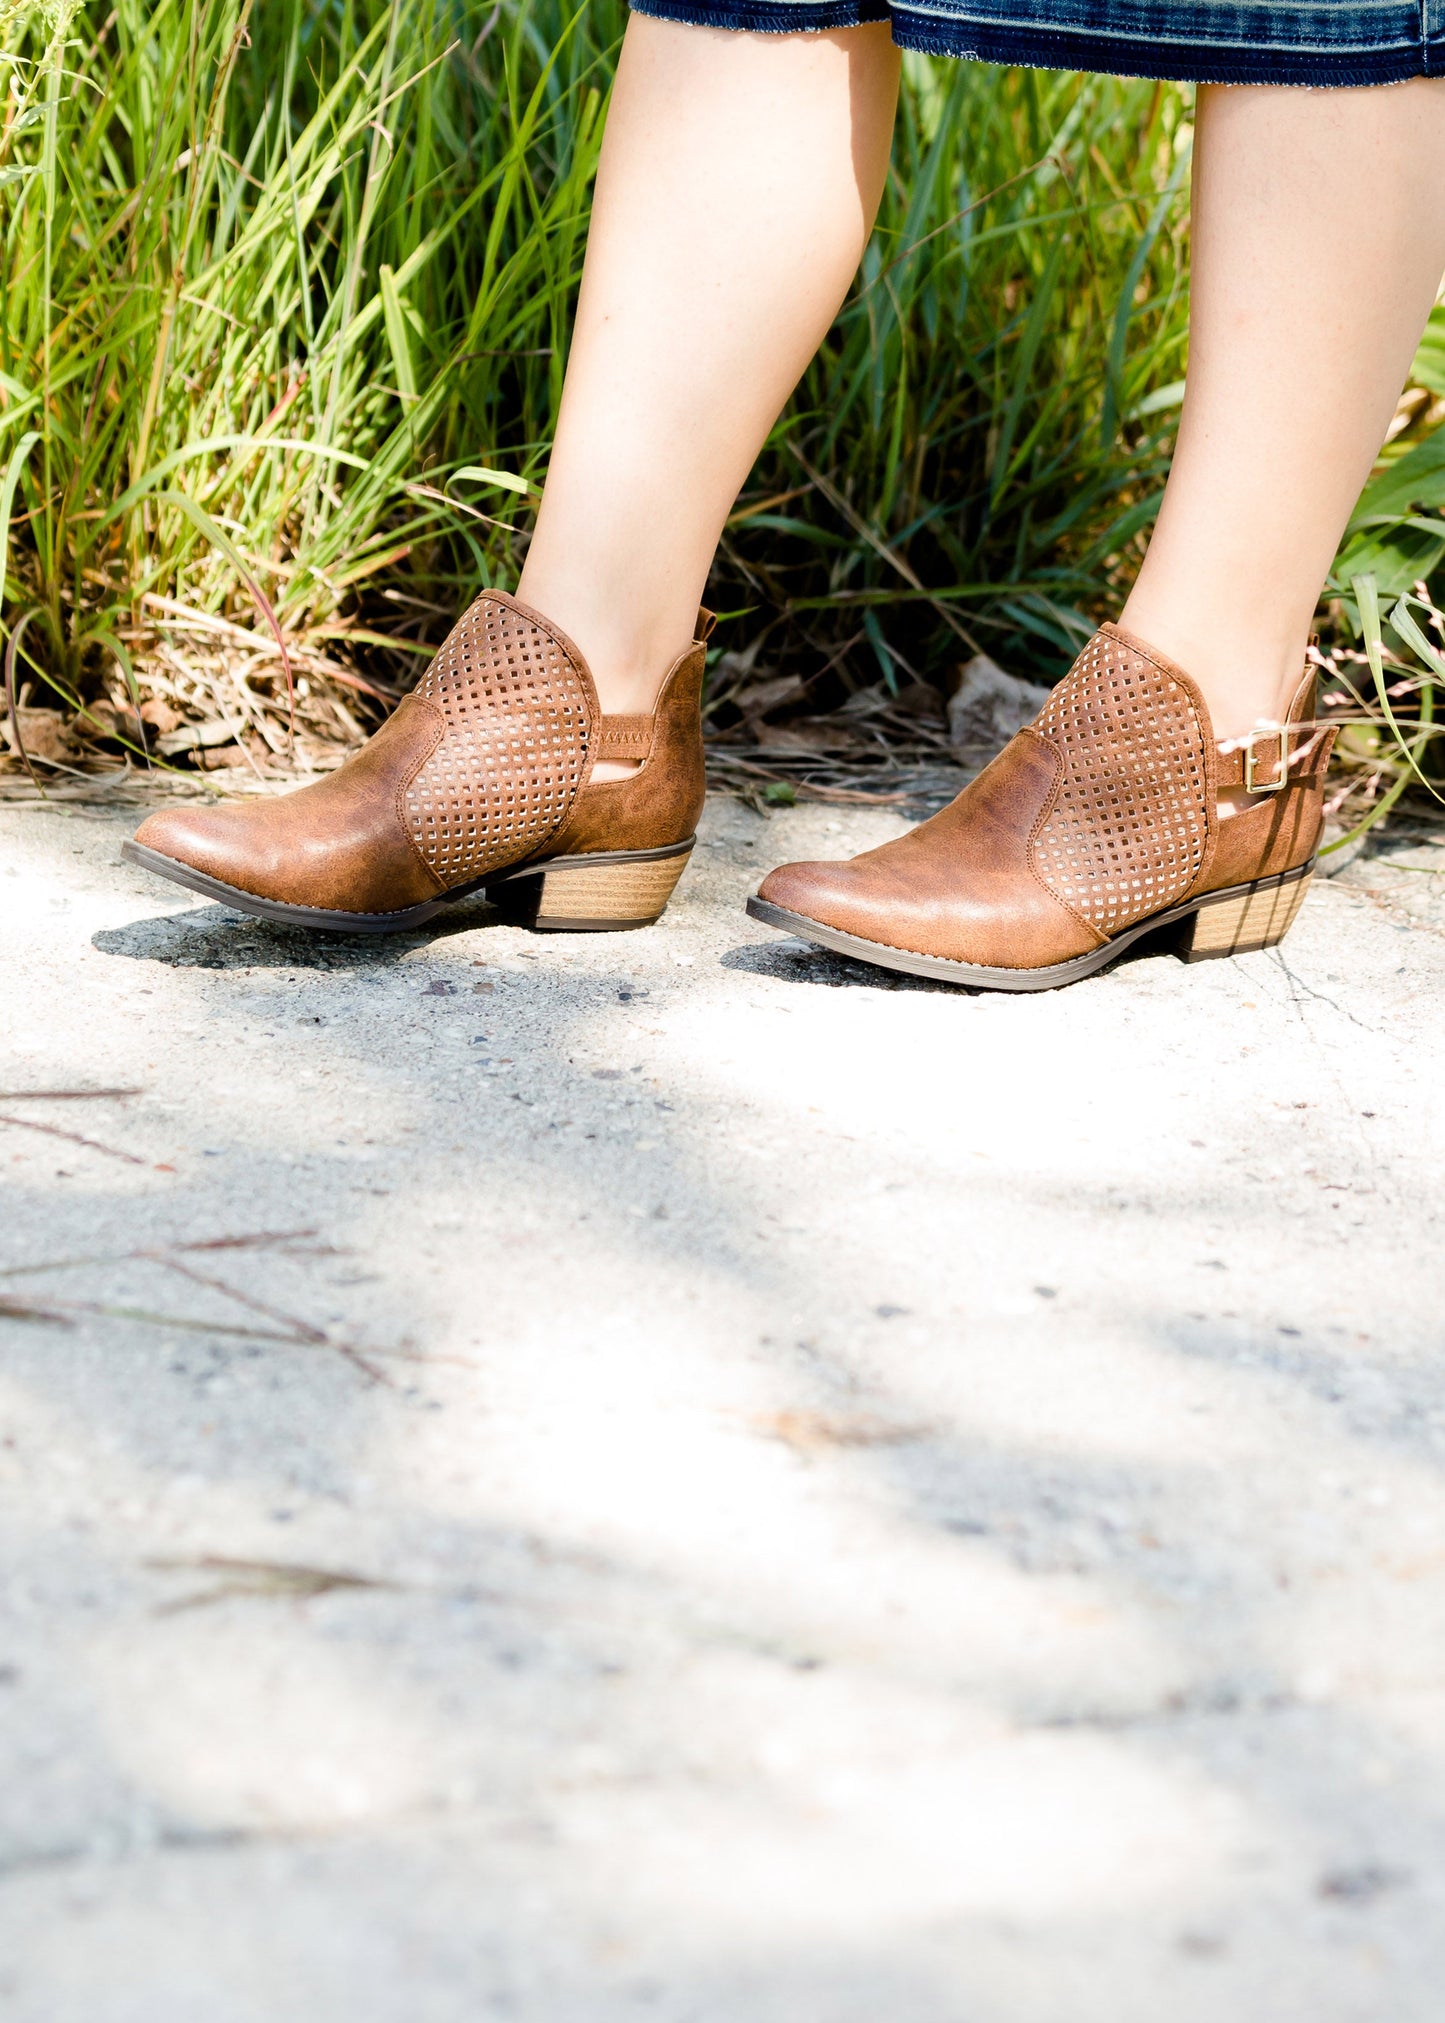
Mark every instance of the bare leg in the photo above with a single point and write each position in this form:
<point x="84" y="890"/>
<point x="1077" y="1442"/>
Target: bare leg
<point x="1319" y="243"/>
<point x="739" y="181"/>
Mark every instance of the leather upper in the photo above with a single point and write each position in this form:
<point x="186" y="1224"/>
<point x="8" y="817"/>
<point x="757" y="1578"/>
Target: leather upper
<point x="962" y="884"/>
<point x="659" y="803"/>
<point x="487" y="765"/>
<point x="1101" y="813"/>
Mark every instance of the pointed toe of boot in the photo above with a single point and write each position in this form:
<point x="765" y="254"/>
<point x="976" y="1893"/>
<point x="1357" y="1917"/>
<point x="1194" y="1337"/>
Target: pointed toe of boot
<point x="831" y="896"/>
<point x="332" y="854"/>
<point x="816" y="891"/>
<point x="863" y="899"/>
<point x="204" y="848"/>
<point x="197" y="839"/>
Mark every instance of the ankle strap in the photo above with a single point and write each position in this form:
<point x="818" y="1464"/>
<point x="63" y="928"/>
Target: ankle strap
<point x="624" y="737"/>
<point x="1268" y="760"/>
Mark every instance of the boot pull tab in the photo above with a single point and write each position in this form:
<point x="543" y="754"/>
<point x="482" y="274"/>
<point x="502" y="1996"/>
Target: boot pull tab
<point x="706" y="623"/>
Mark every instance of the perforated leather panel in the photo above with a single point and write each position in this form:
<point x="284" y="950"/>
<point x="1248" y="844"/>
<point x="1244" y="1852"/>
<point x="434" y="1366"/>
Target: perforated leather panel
<point x="504" y="777"/>
<point x="1127" y="833"/>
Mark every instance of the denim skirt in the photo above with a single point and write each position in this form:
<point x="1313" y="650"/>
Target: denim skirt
<point x="1314" y="42"/>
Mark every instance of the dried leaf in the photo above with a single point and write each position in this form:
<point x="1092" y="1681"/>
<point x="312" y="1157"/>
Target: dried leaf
<point x="44" y="733"/>
<point x="761" y="697"/>
<point x="202" y="736"/>
<point x="258" y="1580"/>
<point x="990" y="706"/>
<point x="812" y="1432"/>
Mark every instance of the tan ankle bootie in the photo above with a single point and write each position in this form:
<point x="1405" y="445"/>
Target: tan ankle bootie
<point x="1096" y="825"/>
<point x="481" y="778"/>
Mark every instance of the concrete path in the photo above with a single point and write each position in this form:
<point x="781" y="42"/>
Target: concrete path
<point x="729" y="1488"/>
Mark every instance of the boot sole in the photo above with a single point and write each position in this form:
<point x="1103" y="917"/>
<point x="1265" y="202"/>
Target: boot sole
<point x="1240" y="920"/>
<point x="606" y="892"/>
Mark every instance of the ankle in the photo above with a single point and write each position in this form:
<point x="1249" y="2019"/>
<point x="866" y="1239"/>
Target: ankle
<point x="627" y="659"/>
<point x="1242" y="700"/>
<point x="627" y="684"/>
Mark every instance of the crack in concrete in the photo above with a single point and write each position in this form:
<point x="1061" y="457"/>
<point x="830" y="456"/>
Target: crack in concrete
<point x="1298" y="984"/>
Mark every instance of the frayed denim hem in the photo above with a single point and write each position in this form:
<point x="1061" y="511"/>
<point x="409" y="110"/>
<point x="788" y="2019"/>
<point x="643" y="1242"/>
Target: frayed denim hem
<point x="1041" y="48"/>
<point x="764" y="20"/>
<point x="1178" y="62"/>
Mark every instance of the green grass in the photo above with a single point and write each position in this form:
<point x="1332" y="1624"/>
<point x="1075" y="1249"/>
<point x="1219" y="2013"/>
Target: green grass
<point x="271" y="273"/>
<point x="283" y="313"/>
<point x="984" y="435"/>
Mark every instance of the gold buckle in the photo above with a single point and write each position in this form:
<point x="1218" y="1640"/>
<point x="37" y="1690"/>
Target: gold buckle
<point x="1252" y="782"/>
